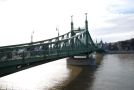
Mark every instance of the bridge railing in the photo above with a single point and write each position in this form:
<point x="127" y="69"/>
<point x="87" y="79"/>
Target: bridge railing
<point x="46" y="54"/>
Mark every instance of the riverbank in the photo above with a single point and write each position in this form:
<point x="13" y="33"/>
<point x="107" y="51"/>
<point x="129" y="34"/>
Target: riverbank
<point x="119" y="52"/>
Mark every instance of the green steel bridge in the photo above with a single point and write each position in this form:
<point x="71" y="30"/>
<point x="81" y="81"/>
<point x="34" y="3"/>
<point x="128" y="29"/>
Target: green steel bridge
<point x="76" y="42"/>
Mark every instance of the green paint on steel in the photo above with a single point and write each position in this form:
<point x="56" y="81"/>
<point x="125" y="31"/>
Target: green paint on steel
<point x="75" y="42"/>
<point x="48" y="49"/>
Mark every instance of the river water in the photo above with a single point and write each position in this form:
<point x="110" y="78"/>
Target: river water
<point x="115" y="72"/>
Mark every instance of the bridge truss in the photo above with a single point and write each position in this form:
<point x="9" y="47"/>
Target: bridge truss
<point x="75" y="42"/>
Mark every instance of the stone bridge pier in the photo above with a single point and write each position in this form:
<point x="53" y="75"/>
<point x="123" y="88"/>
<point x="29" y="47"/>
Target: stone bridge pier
<point x="82" y="60"/>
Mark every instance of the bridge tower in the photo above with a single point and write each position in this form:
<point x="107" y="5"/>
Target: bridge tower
<point x="86" y="22"/>
<point x="87" y="58"/>
<point x="86" y="27"/>
<point x="72" y="32"/>
<point x="72" y="27"/>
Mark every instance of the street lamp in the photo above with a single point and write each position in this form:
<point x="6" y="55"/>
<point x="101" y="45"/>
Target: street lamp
<point x="32" y="36"/>
<point x="57" y="42"/>
<point x="57" y="31"/>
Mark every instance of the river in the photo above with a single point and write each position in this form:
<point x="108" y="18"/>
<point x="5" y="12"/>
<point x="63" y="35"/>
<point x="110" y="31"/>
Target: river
<point x="114" y="72"/>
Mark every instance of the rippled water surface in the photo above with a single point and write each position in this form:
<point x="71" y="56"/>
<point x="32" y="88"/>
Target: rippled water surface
<point x="115" y="72"/>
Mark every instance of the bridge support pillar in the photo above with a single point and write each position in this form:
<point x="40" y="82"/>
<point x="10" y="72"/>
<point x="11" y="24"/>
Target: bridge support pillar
<point x="82" y="60"/>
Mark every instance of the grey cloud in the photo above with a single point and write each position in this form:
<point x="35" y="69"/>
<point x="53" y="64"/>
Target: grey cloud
<point x="123" y="28"/>
<point x="121" y="24"/>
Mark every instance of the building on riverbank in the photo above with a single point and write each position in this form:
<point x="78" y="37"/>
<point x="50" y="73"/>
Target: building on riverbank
<point x="127" y="45"/>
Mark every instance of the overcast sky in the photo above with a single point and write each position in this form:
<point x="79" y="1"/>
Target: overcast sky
<point x="109" y="20"/>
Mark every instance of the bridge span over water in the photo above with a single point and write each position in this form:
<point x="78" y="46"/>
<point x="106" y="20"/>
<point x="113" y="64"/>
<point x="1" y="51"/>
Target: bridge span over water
<point x="75" y="42"/>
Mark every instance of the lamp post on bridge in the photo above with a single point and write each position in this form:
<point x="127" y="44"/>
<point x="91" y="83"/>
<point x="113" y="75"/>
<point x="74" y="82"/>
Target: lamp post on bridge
<point x="57" y="29"/>
<point x="32" y="36"/>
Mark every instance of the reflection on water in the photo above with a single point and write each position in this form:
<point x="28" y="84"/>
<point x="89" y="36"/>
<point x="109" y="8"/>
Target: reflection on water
<point x="82" y="81"/>
<point x="115" y="72"/>
<point x="37" y="78"/>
